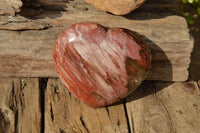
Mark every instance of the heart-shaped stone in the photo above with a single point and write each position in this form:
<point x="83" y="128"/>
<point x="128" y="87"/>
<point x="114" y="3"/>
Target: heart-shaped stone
<point x="100" y="66"/>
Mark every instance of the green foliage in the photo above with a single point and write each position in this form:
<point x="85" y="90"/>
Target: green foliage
<point x="198" y="11"/>
<point x="195" y="4"/>
<point x="190" y="20"/>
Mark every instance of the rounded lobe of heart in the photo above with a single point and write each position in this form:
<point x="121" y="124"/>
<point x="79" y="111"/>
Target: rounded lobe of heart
<point x="100" y="66"/>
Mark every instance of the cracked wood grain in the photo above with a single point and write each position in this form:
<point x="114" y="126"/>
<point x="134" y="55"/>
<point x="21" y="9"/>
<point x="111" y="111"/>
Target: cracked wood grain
<point x="83" y="123"/>
<point x="24" y="25"/>
<point x="163" y="107"/>
<point x="169" y="117"/>
<point x="70" y="115"/>
<point x="20" y="105"/>
<point x="29" y="117"/>
<point x="144" y="113"/>
<point x="154" y="107"/>
<point x="181" y="106"/>
<point x="7" y="115"/>
<point x="127" y="118"/>
<point x="10" y="7"/>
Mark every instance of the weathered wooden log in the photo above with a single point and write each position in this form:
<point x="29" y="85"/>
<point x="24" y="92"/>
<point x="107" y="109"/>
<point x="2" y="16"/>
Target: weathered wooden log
<point x="77" y="116"/>
<point x="45" y="105"/>
<point x="20" y="108"/>
<point x="10" y="7"/>
<point x="164" y="109"/>
<point x="26" y="40"/>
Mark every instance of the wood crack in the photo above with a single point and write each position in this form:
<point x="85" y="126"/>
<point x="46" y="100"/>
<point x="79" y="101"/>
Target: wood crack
<point x="108" y="112"/>
<point x="83" y="123"/>
<point x="5" y="23"/>
<point x="13" y="105"/>
<point x="51" y="110"/>
<point x="22" y="99"/>
<point x="16" y="121"/>
<point x="4" y="122"/>
<point x="43" y="86"/>
<point x="62" y="131"/>
<point x="13" y="99"/>
<point x="132" y="123"/>
<point x="170" y="120"/>
<point x="126" y="115"/>
<point x="118" y="122"/>
<point x="26" y="24"/>
<point x="164" y="107"/>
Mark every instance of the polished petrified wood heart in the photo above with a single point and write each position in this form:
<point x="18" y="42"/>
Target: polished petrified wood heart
<point x="100" y="65"/>
<point x="117" y="7"/>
